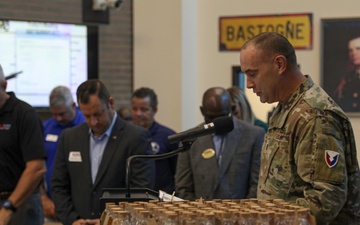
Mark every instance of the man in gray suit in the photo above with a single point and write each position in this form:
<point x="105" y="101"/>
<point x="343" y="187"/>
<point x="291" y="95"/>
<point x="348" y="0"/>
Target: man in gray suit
<point x="92" y="156"/>
<point x="220" y="167"/>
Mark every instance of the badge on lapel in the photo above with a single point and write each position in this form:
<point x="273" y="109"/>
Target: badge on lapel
<point x="208" y="153"/>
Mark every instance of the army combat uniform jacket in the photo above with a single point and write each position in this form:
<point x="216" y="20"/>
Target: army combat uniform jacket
<point x="309" y="157"/>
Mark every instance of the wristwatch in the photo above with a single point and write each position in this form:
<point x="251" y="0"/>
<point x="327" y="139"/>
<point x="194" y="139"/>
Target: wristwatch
<point x="8" y="205"/>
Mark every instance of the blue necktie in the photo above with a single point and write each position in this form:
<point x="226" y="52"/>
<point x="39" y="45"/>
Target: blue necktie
<point x="218" y="145"/>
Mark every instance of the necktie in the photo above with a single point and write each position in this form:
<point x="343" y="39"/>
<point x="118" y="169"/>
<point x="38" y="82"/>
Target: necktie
<point x="218" y="139"/>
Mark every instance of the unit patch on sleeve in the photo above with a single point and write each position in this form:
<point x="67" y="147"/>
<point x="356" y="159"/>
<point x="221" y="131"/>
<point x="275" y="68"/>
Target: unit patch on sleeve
<point x="331" y="158"/>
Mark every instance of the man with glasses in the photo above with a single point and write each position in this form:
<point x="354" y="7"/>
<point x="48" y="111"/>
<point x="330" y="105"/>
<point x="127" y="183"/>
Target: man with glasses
<point x="220" y="166"/>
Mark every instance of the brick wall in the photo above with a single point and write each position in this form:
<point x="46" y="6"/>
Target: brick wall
<point x="115" y="39"/>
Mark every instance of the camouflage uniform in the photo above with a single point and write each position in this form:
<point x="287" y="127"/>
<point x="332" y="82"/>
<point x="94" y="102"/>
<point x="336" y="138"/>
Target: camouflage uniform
<point x="309" y="157"/>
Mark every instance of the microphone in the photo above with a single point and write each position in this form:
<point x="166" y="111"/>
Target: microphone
<point x="221" y="125"/>
<point x="13" y="75"/>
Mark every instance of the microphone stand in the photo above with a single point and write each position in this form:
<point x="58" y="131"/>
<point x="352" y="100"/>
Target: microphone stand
<point x="183" y="147"/>
<point x="141" y="194"/>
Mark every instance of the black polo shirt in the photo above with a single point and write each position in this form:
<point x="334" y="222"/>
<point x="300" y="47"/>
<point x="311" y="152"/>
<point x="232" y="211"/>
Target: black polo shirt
<point x="21" y="140"/>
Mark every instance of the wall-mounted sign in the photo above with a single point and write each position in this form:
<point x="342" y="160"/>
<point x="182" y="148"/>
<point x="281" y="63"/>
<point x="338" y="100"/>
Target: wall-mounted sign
<point x="235" y="31"/>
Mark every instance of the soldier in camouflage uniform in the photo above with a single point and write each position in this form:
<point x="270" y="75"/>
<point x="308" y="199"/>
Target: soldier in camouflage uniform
<point x="309" y="153"/>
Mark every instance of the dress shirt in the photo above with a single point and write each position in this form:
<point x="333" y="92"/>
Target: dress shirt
<point x="218" y="143"/>
<point x="97" y="146"/>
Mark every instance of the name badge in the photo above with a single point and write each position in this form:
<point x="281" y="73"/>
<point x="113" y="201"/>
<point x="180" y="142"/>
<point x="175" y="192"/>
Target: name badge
<point x="75" y="157"/>
<point x="51" y="137"/>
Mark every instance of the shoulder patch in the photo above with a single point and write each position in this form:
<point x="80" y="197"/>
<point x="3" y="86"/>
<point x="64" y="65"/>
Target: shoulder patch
<point x="331" y="158"/>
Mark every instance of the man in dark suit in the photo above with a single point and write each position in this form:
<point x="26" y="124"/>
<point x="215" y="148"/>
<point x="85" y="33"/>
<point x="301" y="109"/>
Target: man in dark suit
<point x="220" y="167"/>
<point x="92" y="156"/>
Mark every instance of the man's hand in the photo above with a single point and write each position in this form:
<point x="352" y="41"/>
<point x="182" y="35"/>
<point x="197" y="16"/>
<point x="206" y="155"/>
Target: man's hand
<point x="5" y="216"/>
<point x="93" y="222"/>
<point x="49" y="207"/>
<point x="87" y="222"/>
<point x="79" y="222"/>
<point x="312" y="219"/>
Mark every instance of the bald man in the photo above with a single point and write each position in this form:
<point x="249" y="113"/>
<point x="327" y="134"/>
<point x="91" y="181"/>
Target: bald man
<point x="220" y="166"/>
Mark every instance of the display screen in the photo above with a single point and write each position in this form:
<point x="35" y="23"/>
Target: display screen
<point x="46" y="54"/>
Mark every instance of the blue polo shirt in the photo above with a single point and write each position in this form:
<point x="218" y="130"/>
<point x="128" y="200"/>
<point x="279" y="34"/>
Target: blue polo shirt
<point x="52" y="131"/>
<point x="165" y="168"/>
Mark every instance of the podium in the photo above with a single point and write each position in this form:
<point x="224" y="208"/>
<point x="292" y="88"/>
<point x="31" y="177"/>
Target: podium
<point x="120" y="195"/>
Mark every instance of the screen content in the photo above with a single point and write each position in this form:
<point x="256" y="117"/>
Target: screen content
<point x="45" y="55"/>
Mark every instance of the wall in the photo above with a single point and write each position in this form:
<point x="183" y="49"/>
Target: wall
<point x="213" y="68"/>
<point x="115" y="39"/>
<point x="157" y="53"/>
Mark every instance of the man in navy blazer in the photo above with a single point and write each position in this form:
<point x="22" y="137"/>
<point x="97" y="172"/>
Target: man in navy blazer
<point x="92" y="156"/>
<point x="220" y="167"/>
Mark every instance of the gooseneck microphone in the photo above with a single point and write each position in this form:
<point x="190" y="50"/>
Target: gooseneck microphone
<point x="13" y="75"/>
<point x="219" y="126"/>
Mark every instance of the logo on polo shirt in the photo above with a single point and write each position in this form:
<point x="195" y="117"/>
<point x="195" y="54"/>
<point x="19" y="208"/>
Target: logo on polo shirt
<point x="155" y="147"/>
<point x="5" y="126"/>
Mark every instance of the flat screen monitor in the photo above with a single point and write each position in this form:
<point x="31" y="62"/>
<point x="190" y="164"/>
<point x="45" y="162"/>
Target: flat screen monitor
<point x="238" y="77"/>
<point x="45" y="55"/>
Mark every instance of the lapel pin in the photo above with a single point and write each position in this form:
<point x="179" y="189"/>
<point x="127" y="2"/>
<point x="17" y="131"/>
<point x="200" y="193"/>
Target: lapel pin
<point x="208" y="153"/>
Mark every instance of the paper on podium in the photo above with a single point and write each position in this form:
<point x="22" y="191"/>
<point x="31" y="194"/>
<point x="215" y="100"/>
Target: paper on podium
<point x="165" y="197"/>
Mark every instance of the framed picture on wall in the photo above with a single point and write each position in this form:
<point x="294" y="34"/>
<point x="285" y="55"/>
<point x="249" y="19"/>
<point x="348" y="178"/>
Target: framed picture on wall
<point x="341" y="62"/>
<point x="238" y="77"/>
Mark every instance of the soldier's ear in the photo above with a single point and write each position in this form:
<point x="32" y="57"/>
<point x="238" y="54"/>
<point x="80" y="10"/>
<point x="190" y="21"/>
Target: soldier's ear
<point x="281" y="63"/>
